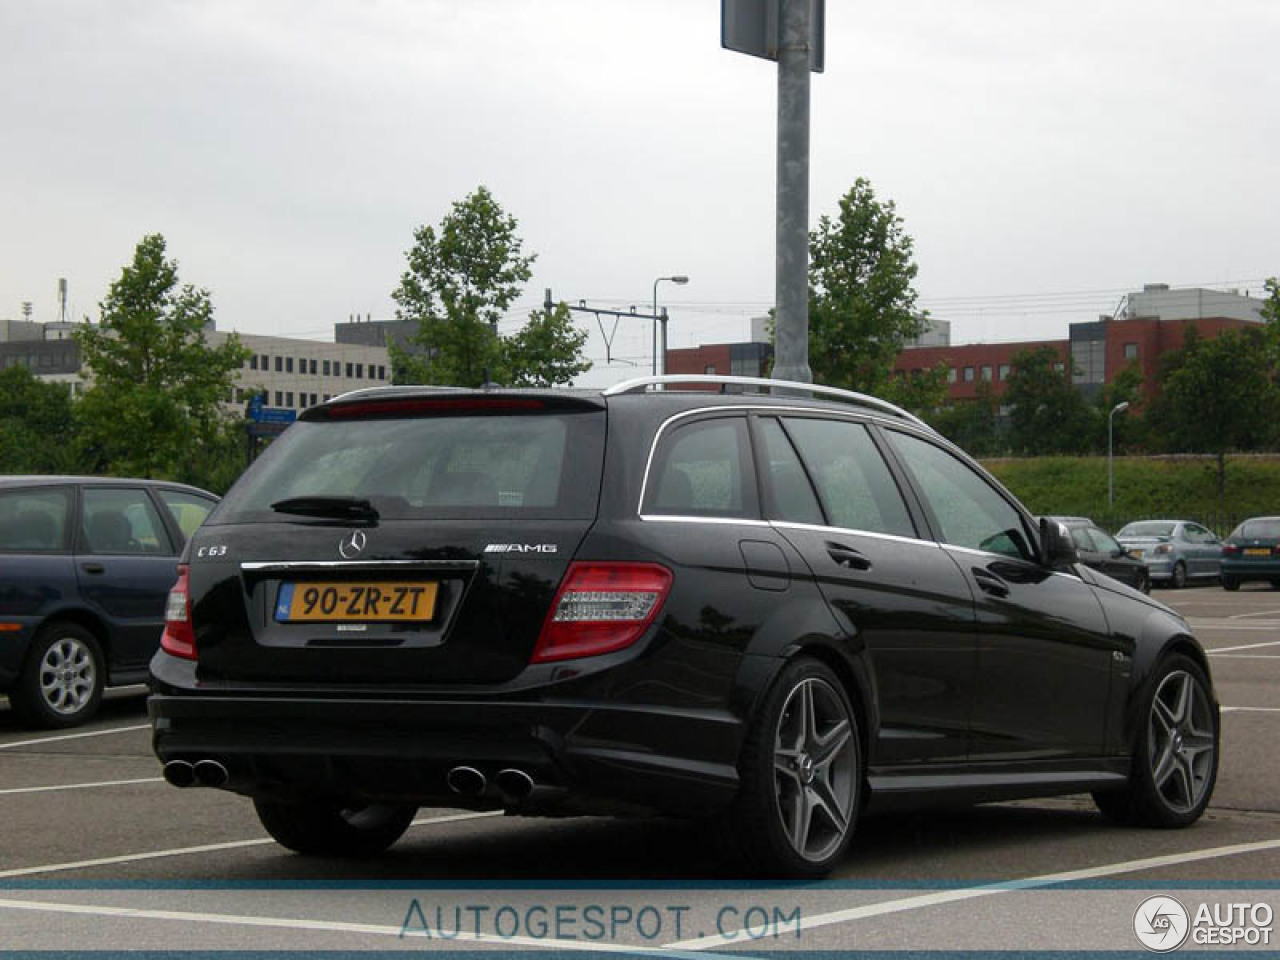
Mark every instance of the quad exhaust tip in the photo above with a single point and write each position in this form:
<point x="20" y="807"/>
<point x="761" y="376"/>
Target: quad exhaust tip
<point x="210" y="773"/>
<point x="179" y="773"/>
<point x="467" y="781"/>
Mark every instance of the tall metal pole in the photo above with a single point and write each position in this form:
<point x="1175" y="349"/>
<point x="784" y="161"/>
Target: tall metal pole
<point x="1111" y="473"/>
<point x="792" y="290"/>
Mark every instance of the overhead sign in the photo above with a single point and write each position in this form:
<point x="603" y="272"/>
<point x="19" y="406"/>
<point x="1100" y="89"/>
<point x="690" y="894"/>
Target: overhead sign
<point x="259" y="413"/>
<point x="753" y="27"/>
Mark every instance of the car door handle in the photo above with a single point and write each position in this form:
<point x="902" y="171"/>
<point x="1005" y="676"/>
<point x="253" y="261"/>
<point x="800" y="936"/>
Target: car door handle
<point x="93" y="568"/>
<point x="989" y="583"/>
<point x="848" y="557"/>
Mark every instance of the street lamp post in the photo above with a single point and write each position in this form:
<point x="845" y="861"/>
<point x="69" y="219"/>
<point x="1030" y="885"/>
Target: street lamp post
<point x="680" y="279"/>
<point x="1111" y="473"/>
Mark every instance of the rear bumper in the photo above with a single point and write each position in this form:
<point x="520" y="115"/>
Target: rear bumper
<point x="583" y="757"/>
<point x="1244" y="570"/>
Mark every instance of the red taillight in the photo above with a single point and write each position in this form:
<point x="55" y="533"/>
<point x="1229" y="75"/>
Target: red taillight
<point x="1230" y="549"/>
<point x="179" y="638"/>
<point x="600" y="608"/>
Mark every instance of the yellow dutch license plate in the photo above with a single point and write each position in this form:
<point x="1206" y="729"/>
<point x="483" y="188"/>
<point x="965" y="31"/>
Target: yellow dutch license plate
<point x="363" y="602"/>
<point x="1257" y="552"/>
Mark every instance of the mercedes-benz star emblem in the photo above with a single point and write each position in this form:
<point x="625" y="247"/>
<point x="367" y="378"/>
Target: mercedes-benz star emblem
<point x="352" y="544"/>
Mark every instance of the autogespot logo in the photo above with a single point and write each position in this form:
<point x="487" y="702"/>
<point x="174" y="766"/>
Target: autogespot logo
<point x="1161" y="924"/>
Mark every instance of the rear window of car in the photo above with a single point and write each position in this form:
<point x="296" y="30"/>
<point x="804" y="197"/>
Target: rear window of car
<point x="1147" y="529"/>
<point x="485" y="465"/>
<point x="1259" y="530"/>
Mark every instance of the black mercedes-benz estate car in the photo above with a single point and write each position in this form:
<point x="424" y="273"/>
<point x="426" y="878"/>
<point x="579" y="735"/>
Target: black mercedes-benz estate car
<point x="766" y="610"/>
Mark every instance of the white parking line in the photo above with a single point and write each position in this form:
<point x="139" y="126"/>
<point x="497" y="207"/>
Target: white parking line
<point x="1249" y="709"/>
<point x="1250" y="656"/>
<point x="203" y="848"/>
<point x="80" y="786"/>
<point x="1246" y="646"/>
<point x="1257" y="613"/>
<point x="987" y="890"/>
<point x="13" y="744"/>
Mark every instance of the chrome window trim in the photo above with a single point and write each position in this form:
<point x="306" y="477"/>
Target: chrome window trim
<point x="270" y="565"/>
<point x="856" y="416"/>
<point x="720" y="521"/>
<point x="818" y="528"/>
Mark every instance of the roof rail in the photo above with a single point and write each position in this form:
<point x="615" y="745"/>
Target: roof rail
<point x="387" y="387"/>
<point x="861" y="399"/>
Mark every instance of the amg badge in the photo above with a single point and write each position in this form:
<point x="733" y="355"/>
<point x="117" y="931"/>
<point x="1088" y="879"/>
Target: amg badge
<point x="521" y="548"/>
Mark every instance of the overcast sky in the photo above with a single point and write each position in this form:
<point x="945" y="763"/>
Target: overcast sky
<point x="1046" y="157"/>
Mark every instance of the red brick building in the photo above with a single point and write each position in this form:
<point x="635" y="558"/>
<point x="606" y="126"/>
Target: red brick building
<point x="1097" y="351"/>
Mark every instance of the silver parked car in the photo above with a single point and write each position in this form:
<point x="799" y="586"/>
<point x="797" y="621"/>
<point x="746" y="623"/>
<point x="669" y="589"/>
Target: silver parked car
<point x="1175" y="551"/>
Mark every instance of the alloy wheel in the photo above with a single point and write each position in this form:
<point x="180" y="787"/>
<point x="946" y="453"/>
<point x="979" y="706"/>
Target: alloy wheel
<point x="68" y="675"/>
<point x="1181" y="741"/>
<point x="815" y="763"/>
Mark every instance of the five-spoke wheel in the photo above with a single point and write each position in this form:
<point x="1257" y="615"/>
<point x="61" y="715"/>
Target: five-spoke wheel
<point x="800" y="777"/>
<point x="1175" y="762"/>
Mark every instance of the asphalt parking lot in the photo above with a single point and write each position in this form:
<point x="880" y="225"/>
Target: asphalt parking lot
<point x="99" y="853"/>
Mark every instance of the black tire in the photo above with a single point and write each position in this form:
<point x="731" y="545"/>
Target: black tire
<point x="332" y="829"/>
<point x="1230" y="584"/>
<point x="1175" y="761"/>
<point x="1144" y="583"/>
<point x="787" y="788"/>
<point x="62" y="677"/>
<point x="1179" y="575"/>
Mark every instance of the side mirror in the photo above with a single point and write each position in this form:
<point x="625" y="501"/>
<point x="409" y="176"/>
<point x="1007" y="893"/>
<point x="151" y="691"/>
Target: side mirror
<point x="1057" y="549"/>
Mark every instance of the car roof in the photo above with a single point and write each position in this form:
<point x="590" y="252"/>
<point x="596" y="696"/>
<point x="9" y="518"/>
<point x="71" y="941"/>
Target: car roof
<point x="47" y="480"/>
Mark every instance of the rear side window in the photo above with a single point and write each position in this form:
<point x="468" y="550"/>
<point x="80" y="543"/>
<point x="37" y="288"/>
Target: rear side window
<point x="118" y="520"/>
<point x="856" y="487"/>
<point x="703" y="469"/>
<point x="34" y="521"/>
<point x="484" y="465"/>
<point x="791" y="495"/>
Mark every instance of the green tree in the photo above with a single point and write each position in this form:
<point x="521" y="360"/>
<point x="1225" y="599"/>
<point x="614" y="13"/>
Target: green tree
<point x="861" y="298"/>
<point x="156" y="404"/>
<point x="460" y="279"/>
<point x="37" y="426"/>
<point x="546" y="351"/>
<point x="1217" y="397"/>
<point x="973" y="425"/>
<point x="1047" y="414"/>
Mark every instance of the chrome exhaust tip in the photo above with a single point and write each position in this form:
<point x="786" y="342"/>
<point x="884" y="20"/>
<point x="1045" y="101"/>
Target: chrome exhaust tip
<point x="514" y="784"/>
<point x="210" y="773"/>
<point x="179" y="773"/>
<point x="467" y="781"/>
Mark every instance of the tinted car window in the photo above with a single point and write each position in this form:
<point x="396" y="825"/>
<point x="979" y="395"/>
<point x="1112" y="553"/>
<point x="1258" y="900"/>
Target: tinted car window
<point x="527" y="466"/>
<point x="1104" y="540"/>
<point x="188" y="511"/>
<point x="793" y="496"/>
<point x="34" y="520"/>
<point x="970" y="512"/>
<point x="1147" y="528"/>
<point x="122" y="521"/>
<point x="1082" y="540"/>
<point x="704" y="469"/>
<point x="853" y="481"/>
<point x="1265" y="529"/>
